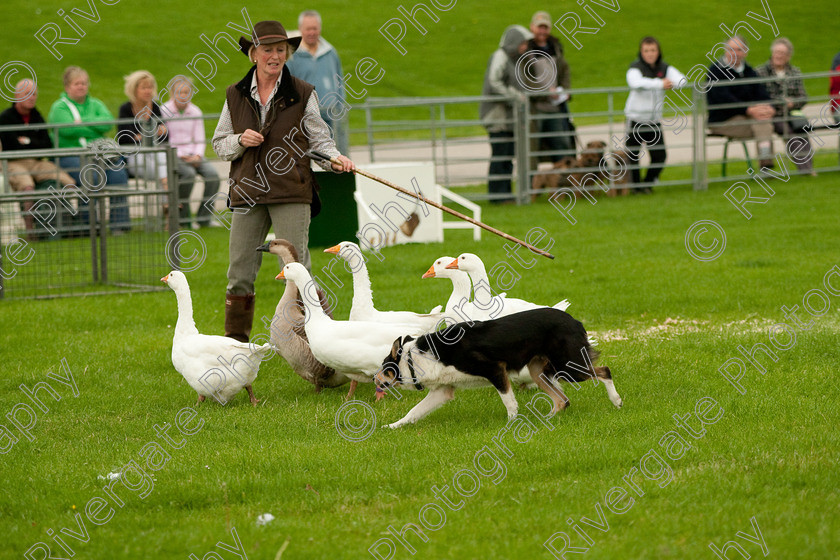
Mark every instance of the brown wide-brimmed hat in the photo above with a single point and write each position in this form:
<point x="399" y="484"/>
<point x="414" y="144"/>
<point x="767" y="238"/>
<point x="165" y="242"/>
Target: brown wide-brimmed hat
<point x="266" y="33"/>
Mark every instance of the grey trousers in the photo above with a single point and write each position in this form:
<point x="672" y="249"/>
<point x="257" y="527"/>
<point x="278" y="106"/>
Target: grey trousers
<point x="248" y="231"/>
<point x="186" y="181"/>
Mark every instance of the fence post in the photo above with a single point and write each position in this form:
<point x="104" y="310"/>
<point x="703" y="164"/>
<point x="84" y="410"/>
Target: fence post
<point x="433" y="135"/>
<point x="368" y="125"/>
<point x="93" y="225"/>
<point x="785" y="111"/>
<point x="610" y="122"/>
<point x="700" y="170"/>
<point x="2" y="277"/>
<point x="104" y="224"/>
<point x="172" y="194"/>
<point x="444" y="151"/>
<point x="521" y="118"/>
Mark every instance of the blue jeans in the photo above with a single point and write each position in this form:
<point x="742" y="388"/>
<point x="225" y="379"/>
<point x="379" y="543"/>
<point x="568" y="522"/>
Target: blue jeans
<point x="119" y="217"/>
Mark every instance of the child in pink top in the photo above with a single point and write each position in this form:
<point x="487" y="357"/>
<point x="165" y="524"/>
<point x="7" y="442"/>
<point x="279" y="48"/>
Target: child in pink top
<point x="186" y="132"/>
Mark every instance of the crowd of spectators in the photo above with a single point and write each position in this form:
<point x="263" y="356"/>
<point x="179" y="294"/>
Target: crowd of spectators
<point x="146" y="122"/>
<point x="530" y="63"/>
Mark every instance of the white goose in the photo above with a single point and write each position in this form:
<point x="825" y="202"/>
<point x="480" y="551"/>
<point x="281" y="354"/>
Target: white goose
<point x="362" y="308"/>
<point x="215" y="366"/>
<point x="355" y="348"/>
<point x="499" y="305"/>
<point x="288" y="336"/>
<point x="458" y="307"/>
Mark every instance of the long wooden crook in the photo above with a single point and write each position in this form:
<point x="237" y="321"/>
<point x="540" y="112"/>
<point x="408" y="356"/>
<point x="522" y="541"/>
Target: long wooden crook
<point x="324" y="157"/>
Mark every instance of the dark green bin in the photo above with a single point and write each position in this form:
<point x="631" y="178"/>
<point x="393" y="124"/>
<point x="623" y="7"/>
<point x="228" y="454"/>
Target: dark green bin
<point x="337" y="221"/>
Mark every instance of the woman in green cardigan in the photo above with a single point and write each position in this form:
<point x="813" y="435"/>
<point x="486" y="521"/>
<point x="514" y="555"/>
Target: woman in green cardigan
<point x="77" y="105"/>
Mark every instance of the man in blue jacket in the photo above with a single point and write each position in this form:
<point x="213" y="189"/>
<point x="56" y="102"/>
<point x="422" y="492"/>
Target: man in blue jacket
<point x="751" y="117"/>
<point x="317" y="62"/>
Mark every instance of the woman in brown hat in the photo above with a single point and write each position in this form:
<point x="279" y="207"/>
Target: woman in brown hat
<point x="269" y="121"/>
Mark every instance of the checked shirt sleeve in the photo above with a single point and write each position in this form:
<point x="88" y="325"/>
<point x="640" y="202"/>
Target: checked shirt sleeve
<point x="317" y="132"/>
<point x="225" y="142"/>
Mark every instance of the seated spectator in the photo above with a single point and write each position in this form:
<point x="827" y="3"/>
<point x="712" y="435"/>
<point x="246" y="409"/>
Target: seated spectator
<point x="496" y="116"/>
<point x="648" y="77"/>
<point x="28" y="174"/>
<point x="751" y="117"/>
<point x="147" y="128"/>
<point x="186" y="132"/>
<point x="76" y="105"/>
<point x="316" y="61"/>
<point x="788" y="94"/>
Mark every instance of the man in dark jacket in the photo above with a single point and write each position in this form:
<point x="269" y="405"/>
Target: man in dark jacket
<point x="551" y="110"/>
<point x="751" y="116"/>
<point x="27" y="174"/>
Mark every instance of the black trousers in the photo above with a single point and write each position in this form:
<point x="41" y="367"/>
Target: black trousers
<point x="501" y="162"/>
<point x="560" y="134"/>
<point x="650" y="134"/>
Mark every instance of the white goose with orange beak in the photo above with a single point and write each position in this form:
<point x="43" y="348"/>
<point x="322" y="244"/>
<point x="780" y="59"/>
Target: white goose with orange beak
<point x="215" y="366"/>
<point x="492" y="306"/>
<point x="355" y="348"/>
<point x="363" y="308"/>
<point x="458" y="307"/>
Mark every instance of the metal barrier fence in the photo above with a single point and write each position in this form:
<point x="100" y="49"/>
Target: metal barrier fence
<point x="103" y="236"/>
<point x="447" y="130"/>
<point x="87" y="253"/>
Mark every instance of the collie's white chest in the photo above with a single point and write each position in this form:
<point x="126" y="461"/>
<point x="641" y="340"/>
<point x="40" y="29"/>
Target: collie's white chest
<point x="434" y="374"/>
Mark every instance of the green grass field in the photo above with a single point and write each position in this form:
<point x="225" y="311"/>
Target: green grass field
<point x="666" y="324"/>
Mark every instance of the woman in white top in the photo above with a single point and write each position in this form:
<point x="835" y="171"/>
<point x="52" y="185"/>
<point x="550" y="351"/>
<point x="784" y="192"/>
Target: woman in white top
<point x="649" y="77"/>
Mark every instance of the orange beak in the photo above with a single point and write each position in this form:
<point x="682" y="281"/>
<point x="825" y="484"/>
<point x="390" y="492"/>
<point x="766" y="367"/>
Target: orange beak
<point x="430" y="273"/>
<point x="280" y="276"/>
<point x="453" y="264"/>
<point x="165" y="279"/>
<point x="334" y="249"/>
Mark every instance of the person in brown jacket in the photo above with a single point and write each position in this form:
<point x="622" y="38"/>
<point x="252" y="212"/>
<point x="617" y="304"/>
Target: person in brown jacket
<point x="269" y="121"/>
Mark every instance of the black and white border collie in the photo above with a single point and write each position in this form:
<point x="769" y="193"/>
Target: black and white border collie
<point x="551" y="343"/>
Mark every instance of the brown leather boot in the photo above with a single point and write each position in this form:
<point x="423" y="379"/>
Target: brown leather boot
<point x="239" y="315"/>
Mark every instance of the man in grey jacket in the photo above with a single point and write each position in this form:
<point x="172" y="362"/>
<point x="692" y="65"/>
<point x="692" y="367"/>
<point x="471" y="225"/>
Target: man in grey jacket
<point x="497" y="116"/>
